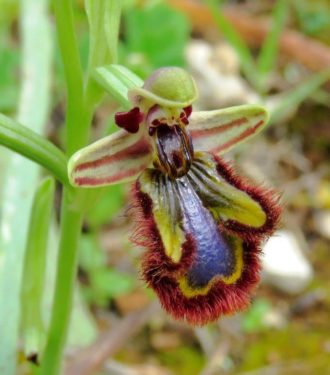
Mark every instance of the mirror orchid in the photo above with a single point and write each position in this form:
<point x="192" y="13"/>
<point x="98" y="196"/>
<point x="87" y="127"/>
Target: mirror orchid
<point x="201" y="223"/>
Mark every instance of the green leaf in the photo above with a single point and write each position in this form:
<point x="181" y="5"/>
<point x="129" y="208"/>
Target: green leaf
<point x="117" y="80"/>
<point x="22" y="175"/>
<point x="158" y="32"/>
<point x="26" y="142"/>
<point x="112" y="23"/>
<point x="104" y="19"/>
<point x="235" y="40"/>
<point x="78" y="110"/>
<point x="98" y="48"/>
<point x="267" y="56"/>
<point x="9" y="59"/>
<point x="33" y="281"/>
<point x="8" y="10"/>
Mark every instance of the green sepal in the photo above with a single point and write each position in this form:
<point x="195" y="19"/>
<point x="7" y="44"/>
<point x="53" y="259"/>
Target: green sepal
<point x="34" y="274"/>
<point x="168" y="87"/>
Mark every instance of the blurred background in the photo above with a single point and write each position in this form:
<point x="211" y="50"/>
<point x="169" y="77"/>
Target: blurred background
<point x="276" y="53"/>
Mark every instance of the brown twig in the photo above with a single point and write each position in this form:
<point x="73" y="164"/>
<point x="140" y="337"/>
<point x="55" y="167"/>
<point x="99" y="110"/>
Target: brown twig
<point x="90" y="359"/>
<point x="312" y="54"/>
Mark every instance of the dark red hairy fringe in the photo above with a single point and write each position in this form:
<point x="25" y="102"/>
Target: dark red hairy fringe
<point x="269" y="200"/>
<point x="222" y="299"/>
<point x="161" y="273"/>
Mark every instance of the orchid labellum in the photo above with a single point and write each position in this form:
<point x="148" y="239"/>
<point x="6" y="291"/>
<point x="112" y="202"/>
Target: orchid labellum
<point x="201" y="223"/>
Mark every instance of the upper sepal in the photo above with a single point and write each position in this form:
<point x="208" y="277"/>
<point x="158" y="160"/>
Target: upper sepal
<point x="219" y="130"/>
<point x="170" y="87"/>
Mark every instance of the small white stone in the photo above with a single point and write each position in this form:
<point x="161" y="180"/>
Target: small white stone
<point x="275" y="319"/>
<point x="284" y="264"/>
<point x="226" y="58"/>
<point x="216" y="72"/>
<point x="322" y="219"/>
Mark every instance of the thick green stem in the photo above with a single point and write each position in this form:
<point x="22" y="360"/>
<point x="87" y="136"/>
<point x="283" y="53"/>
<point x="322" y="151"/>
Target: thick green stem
<point x="80" y="107"/>
<point x="71" y="219"/>
<point x="78" y="118"/>
<point x="66" y="273"/>
<point x="77" y="128"/>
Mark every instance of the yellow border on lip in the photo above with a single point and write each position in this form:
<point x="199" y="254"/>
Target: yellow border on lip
<point x="190" y="292"/>
<point x="172" y="237"/>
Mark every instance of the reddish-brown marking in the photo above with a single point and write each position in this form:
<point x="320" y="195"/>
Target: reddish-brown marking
<point x="238" y="138"/>
<point x="218" y="129"/>
<point x="93" y="181"/>
<point x="130" y="121"/>
<point x="188" y="110"/>
<point x="137" y="150"/>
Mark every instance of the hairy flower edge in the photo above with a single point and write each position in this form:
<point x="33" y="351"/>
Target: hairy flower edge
<point x="163" y="275"/>
<point x="268" y="198"/>
<point x="220" y="299"/>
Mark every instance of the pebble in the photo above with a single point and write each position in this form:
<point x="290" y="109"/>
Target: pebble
<point x="284" y="264"/>
<point x="322" y="219"/>
<point x="217" y="74"/>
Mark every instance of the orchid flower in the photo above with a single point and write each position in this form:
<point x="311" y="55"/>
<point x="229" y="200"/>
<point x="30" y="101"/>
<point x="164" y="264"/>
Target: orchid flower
<point x="201" y="223"/>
